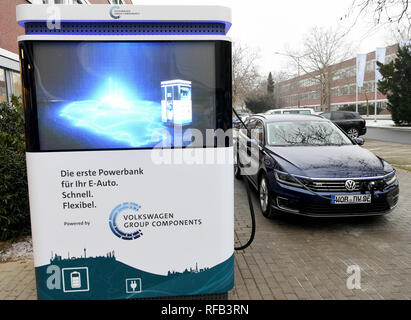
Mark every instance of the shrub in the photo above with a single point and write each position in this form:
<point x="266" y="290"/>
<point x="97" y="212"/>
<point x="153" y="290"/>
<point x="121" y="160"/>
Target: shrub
<point x="260" y="103"/>
<point x="14" y="204"/>
<point x="362" y="109"/>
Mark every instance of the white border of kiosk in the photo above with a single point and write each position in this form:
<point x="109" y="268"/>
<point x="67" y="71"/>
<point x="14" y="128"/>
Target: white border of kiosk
<point x="177" y="260"/>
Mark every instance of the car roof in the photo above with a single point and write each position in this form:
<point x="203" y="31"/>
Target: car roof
<point x="287" y="117"/>
<point x="341" y="111"/>
<point x="293" y="109"/>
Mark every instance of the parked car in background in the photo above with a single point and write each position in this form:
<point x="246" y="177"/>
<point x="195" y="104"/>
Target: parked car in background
<point x="291" y="111"/>
<point x="350" y="122"/>
<point x="306" y="165"/>
<point x="242" y="116"/>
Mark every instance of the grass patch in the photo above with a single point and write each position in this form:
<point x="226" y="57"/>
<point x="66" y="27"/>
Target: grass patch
<point x="403" y="166"/>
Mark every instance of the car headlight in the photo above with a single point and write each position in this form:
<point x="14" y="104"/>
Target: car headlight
<point x="390" y="179"/>
<point x="287" y="179"/>
<point x="387" y="167"/>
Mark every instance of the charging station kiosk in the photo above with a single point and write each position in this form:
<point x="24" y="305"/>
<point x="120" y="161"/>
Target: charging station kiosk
<point x="176" y="104"/>
<point x="119" y="208"/>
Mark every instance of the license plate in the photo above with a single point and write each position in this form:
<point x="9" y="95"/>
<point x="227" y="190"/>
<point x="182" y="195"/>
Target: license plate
<point x="352" y="198"/>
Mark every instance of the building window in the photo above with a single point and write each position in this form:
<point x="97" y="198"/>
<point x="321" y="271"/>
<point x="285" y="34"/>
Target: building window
<point x="16" y="84"/>
<point x="3" y="86"/>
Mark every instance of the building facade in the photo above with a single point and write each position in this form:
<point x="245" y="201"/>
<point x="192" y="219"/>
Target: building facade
<point x="306" y="90"/>
<point x="10" y="30"/>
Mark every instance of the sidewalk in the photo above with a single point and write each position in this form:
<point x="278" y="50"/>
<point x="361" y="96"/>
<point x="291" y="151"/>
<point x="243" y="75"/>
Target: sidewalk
<point x="17" y="280"/>
<point x="385" y="124"/>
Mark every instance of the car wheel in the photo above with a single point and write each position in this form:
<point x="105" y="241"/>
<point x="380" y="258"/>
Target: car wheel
<point x="353" y="133"/>
<point x="264" y="194"/>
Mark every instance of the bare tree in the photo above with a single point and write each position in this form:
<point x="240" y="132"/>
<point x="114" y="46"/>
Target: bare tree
<point x="245" y="74"/>
<point x="383" y="12"/>
<point x="322" y="48"/>
<point x="396" y="33"/>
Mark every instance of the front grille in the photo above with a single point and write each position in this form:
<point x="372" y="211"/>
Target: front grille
<point x="346" y="209"/>
<point x="331" y="186"/>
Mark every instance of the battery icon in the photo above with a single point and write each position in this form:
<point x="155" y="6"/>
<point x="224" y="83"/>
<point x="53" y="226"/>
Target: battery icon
<point x="75" y="280"/>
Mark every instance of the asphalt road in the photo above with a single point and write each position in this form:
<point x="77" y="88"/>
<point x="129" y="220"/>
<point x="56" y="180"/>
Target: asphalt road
<point x="389" y="135"/>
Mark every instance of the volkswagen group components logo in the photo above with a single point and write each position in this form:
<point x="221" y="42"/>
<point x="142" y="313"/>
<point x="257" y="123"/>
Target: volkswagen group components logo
<point x="350" y="185"/>
<point x="112" y="14"/>
<point x="123" y="221"/>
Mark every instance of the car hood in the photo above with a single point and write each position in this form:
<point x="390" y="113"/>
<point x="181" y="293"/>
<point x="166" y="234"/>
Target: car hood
<point x="348" y="161"/>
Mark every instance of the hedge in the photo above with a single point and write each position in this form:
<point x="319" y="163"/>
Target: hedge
<point x="14" y="204"/>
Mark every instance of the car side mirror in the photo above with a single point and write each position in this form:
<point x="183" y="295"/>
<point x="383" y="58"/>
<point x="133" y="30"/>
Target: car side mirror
<point x="359" y="141"/>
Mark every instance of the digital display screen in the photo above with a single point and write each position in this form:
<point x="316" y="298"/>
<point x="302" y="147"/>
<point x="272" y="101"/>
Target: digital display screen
<point x="111" y="95"/>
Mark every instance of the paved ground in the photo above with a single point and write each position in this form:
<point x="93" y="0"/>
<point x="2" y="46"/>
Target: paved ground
<point x="294" y="258"/>
<point x="396" y="135"/>
<point x="395" y="153"/>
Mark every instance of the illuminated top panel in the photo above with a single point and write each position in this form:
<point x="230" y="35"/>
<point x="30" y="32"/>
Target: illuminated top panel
<point x="146" y="16"/>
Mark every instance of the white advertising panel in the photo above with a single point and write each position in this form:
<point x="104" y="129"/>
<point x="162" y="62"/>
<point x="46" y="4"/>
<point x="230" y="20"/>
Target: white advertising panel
<point x="118" y="214"/>
<point x="361" y="63"/>
<point x="380" y="57"/>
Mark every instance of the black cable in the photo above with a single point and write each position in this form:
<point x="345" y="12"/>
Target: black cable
<point x="250" y="204"/>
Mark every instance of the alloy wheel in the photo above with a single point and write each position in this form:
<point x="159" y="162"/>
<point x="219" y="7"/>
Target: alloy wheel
<point x="352" y="133"/>
<point x="263" y="194"/>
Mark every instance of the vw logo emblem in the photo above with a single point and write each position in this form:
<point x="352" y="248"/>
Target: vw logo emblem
<point x="350" y="185"/>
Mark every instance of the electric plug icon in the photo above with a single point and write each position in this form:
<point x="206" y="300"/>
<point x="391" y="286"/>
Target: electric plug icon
<point x="133" y="285"/>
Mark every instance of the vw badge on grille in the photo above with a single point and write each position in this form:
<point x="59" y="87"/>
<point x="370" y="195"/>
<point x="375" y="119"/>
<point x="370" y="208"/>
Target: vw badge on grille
<point x="350" y="185"/>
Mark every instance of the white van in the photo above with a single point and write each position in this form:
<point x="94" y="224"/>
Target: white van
<point x="292" y="111"/>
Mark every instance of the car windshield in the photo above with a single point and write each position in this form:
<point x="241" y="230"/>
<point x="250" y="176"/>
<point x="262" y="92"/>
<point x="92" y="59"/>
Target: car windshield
<point x="305" y="133"/>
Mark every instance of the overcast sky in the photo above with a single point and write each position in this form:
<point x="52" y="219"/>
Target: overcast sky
<point x="272" y="25"/>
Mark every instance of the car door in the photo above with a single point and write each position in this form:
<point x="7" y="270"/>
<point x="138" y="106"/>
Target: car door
<point x="350" y="120"/>
<point x="339" y="119"/>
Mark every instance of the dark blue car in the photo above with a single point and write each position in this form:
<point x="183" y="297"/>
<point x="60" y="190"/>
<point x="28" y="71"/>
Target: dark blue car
<point x="306" y="165"/>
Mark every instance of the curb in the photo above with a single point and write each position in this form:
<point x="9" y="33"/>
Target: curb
<point x="392" y="128"/>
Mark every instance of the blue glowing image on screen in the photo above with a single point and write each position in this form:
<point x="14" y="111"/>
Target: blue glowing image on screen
<point x="117" y="116"/>
<point x="106" y="95"/>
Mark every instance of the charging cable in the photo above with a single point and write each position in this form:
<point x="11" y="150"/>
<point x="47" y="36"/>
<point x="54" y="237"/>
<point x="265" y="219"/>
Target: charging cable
<point x="250" y="202"/>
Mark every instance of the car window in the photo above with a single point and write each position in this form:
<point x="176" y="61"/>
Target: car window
<point x="276" y="112"/>
<point x="326" y="115"/>
<point x="259" y="127"/>
<point x="338" y="116"/>
<point x="304" y="112"/>
<point x="291" y="112"/>
<point x="351" y="115"/>
<point x="250" y="126"/>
